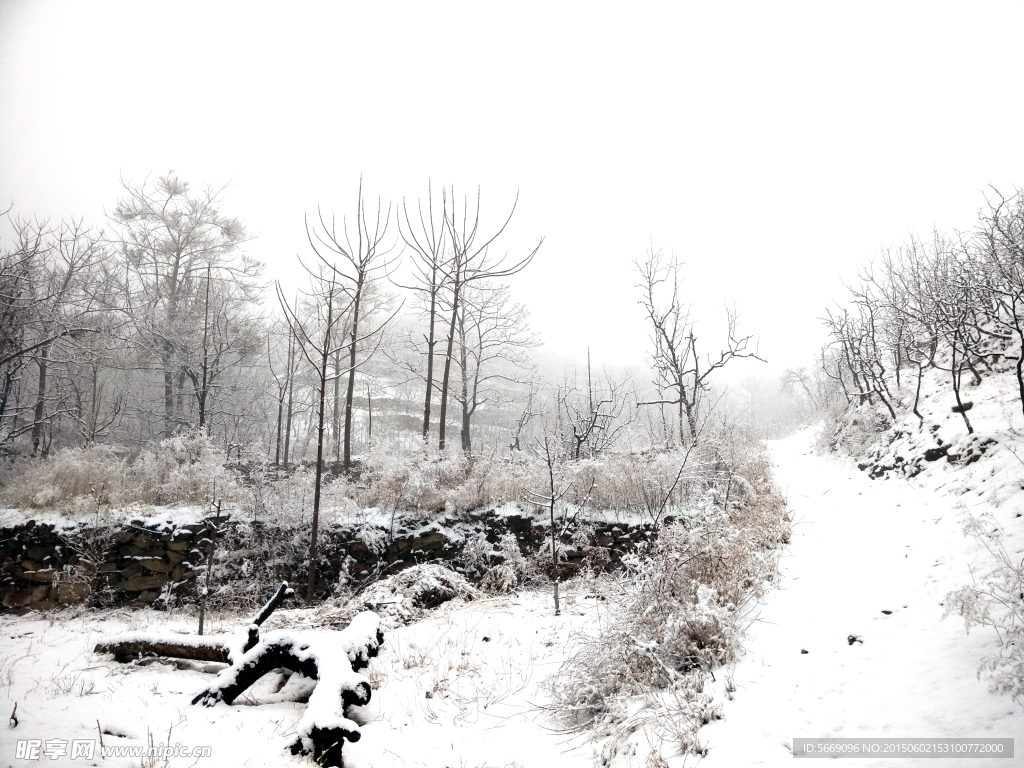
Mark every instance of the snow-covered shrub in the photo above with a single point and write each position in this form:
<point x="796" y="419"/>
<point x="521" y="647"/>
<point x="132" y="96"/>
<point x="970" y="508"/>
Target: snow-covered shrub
<point x="405" y="596"/>
<point x="996" y="601"/>
<point x="181" y="469"/>
<point x="501" y="566"/>
<point x="854" y="431"/>
<point x="677" y="613"/>
<point x="94" y="472"/>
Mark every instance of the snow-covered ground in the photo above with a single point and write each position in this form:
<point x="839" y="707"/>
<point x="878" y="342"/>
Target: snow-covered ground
<point x="456" y="689"/>
<point x="861" y="547"/>
<point x="464" y="687"/>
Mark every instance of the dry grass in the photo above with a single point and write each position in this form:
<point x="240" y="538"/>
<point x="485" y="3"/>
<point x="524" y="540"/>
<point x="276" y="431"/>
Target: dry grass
<point x="678" y="615"/>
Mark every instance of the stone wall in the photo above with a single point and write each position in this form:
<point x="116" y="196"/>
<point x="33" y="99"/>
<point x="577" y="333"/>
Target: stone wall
<point x="139" y="564"/>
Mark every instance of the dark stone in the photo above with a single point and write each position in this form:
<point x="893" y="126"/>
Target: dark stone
<point x="142" y="583"/>
<point x="157" y="566"/>
<point x="17" y="597"/>
<point x="68" y="594"/>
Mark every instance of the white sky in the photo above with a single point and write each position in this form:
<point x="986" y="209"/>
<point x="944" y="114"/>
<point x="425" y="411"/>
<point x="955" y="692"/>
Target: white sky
<point x="773" y="146"/>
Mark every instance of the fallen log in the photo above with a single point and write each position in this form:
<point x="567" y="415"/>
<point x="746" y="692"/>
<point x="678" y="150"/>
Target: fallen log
<point x="222" y="648"/>
<point x="333" y="659"/>
<point x="207" y="648"/>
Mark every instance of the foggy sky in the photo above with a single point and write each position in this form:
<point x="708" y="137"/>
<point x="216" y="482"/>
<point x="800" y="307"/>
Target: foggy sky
<point x="773" y="146"/>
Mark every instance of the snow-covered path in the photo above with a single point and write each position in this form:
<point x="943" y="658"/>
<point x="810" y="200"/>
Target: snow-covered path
<point x="861" y="547"/>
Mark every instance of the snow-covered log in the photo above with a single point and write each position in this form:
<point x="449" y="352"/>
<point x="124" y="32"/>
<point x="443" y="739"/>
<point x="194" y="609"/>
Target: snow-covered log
<point x="333" y="659"/>
<point x="222" y="648"/>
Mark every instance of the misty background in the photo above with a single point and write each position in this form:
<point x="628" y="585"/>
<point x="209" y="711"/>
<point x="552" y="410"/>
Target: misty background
<point x="772" y="147"/>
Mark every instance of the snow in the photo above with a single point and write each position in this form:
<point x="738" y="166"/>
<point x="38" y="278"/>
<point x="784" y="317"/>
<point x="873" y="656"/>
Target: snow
<point x="67" y="520"/>
<point x="860" y="547"/>
<point x="464" y="685"/>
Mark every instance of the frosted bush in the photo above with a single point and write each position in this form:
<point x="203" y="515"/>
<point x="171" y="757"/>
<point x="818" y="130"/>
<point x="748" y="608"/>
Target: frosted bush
<point x="678" y="612"/>
<point x="501" y="566"/>
<point x="180" y="469"/>
<point x="996" y="601"/>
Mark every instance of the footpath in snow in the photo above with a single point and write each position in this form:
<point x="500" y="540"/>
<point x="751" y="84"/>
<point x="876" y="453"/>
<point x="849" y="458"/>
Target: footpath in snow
<point x="861" y="547"/>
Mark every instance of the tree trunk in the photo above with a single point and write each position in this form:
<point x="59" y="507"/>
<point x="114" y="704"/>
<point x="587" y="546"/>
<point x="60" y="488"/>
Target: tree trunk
<point x="350" y="394"/>
<point x="291" y="391"/>
<point x="430" y="366"/>
<point x="369" y="415"/>
<point x="40" y="409"/>
<point x="336" y="411"/>
<point x="324" y="727"/>
<point x="166" y="362"/>
<point x="311" y="584"/>
<point x="467" y="444"/>
<point x="206" y="356"/>
<point x="448" y="366"/>
<point x="956" y="374"/>
<point x="280" y="414"/>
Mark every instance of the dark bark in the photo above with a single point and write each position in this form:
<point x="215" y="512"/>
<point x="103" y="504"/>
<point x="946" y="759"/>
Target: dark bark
<point x="39" y="415"/>
<point x="325" y="354"/>
<point x="291" y="391"/>
<point x="448" y="362"/>
<point x="350" y="392"/>
<point x="209" y="649"/>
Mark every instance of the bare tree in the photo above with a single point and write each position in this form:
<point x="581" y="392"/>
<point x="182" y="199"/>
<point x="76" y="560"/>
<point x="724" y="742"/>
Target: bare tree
<point x="492" y="336"/>
<point x="316" y="339"/>
<point x="560" y="517"/>
<point x="426" y="236"/>
<point x="360" y="259"/>
<point x="171" y="239"/>
<point x="678" y="365"/>
<point x="1002" y="248"/>
<point x="470" y="263"/>
<point x="316" y="328"/>
<point x="593" y="418"/>
<point x="50" y="283"/>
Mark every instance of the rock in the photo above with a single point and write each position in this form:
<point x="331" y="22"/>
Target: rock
<point x="157" y="566"/>
<point x="133" y="569"/>
<point x="68" y="594"/>
<point x="19" y="596"/>
<point x="179" y="546"/>
<point x="43" y="576"/>
<point x="142" y="583"/>
<point x="38" y="552"/>
<point x="175" y="558"/>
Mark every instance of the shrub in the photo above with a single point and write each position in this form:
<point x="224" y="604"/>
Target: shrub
<point x="181" y="469"/>
<point x="678" y="612"/>
<point x="997" y="602"/>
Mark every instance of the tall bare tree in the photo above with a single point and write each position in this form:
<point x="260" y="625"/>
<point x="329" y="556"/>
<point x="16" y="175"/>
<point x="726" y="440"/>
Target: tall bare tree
<point x="426" y="236"/>
<point x="360" y="259"/>
<point x="492" y="337"/>
<point x="470" y="263"/>
<point x="678" y="365"/>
